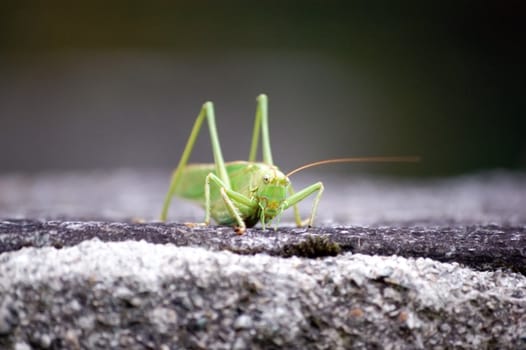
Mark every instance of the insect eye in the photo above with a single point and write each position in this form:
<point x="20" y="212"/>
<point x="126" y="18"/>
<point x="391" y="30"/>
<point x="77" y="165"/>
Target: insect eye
<point x="266" y="179"/>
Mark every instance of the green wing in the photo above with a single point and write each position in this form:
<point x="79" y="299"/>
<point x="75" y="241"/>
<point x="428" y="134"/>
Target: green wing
<point x="192" y="183"/>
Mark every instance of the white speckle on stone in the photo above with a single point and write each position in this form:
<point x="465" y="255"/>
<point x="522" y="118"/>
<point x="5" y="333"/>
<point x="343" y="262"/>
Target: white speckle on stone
<point x="240" y="344"/>
<point x="45" y="341"/>
<point x="412" y="321"/>
<point x="243" y="322"/>
<point x="22" y="346"/>
<point x="164" y="318"/>
<point x="86" y="322"/>
<point x="76" y="226"/>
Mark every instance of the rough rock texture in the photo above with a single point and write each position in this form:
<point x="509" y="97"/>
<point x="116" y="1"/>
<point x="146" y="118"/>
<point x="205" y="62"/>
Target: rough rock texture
<point x="139" y="295"/>
<point x="479" y="246"/>
<point x="76" y="272"/>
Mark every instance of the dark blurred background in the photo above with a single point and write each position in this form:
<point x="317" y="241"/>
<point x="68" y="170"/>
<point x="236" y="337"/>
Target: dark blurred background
<point x="116" y="84"/>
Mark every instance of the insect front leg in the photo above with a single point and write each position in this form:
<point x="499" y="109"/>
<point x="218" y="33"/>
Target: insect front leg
<point x="237" y="204"/>
<point x="297" y="216"/>
<point x="301" y="195"/>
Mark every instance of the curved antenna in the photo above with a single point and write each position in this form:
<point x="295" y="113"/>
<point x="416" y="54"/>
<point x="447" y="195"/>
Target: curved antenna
<point x="399" y="159"/>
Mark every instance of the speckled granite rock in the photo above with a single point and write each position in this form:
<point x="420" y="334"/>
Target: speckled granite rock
<point x="68" y="282"/>
<point x="483" y="247"/>
<point x="137" y="295"/>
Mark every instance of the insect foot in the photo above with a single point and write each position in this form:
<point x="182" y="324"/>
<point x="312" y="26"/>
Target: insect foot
<point x="240" y="230"/>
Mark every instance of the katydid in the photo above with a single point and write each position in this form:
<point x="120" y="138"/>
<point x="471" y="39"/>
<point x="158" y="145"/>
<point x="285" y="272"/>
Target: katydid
<point x="241" y="193"/>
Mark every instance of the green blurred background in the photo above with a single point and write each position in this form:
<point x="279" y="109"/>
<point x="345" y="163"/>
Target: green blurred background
<point x="115" y="84"/>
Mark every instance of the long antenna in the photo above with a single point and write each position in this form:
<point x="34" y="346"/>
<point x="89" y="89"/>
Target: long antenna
<point x="398" y="159"/>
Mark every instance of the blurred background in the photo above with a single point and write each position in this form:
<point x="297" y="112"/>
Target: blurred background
<point x="103" y="85"/>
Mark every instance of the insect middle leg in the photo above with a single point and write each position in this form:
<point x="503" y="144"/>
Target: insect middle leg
<point x="297" y="197"/>
<point x="238" y="205"/>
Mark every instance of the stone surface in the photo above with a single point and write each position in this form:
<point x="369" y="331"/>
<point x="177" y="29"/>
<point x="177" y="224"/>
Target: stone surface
<point x="137" y="295"/>
<point x="444" y="267"/>
<point x="483" y="247"/>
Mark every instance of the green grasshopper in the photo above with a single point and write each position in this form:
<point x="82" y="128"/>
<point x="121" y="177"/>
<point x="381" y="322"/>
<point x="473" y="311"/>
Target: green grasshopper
<point x="241" y="193"/>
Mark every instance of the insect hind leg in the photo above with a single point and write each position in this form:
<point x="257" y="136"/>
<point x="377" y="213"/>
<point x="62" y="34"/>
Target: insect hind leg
<point x="261" y="122"/>
<point x="207" y="111"/>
